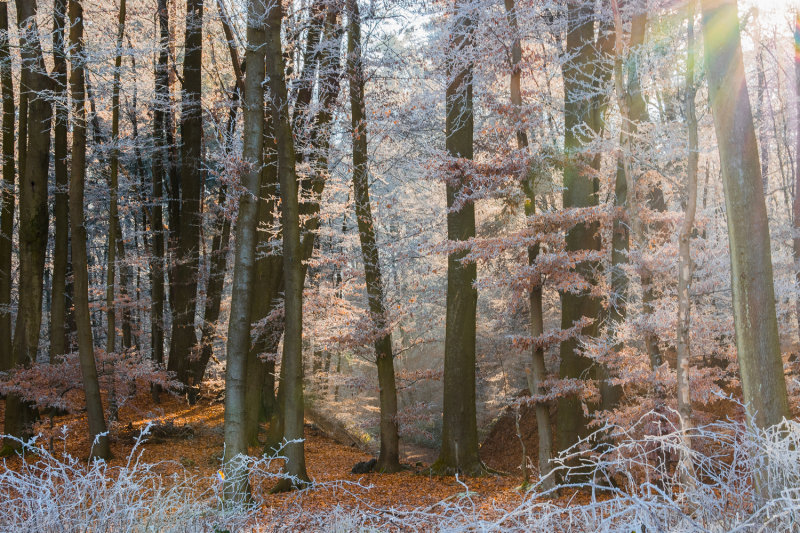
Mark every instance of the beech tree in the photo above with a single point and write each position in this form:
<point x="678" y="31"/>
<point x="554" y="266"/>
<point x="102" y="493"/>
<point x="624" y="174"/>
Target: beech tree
<point x="389" y="458"/>
<point x="94" y="406"/>
<point x="187" y="195"/>
<point x="246" y="232"/>
<point x="580" y="174"/>
<point x="459" y="450"/>
<point x="33" y="212"/>
<point x="9" y="177"/>
<point x="161" y="163"/>
<point x="580" y="190"/>
<point x="58" y="305"/>
<point x="292" y="361"/>
<point x="757" y="342"/>
<point x="115" y="238"/>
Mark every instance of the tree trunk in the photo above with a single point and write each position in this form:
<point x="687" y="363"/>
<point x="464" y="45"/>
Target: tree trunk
<point x="685" y="267"/>
<point x="796" y="199"/>
<point x="33" y="214"/>
<point x="184" y="282"/>
<point x="757" y="341"/>
<point x="537" y="372"/>
<point x="219" y="243"/>
<point x="94" y="406"/>
<point x="58" y="305"/>
<point x="114" y="228"/>
<point x="160" y="163"/>
<point x="389" y="457"/>
<point x="268" y="278"/>
<point x="580" y="190"/>
<point x="7" y="208"/>
<point x="236" y="480"/>
<point x="292" y="362"/>
<point x="218" y="259"/>
<point x="459" y="451"/>
<point x="216" y="282"/>
<point x="330" y="71"/>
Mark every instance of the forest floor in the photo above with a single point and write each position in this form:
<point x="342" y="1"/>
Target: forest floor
<point x="189" y="440"/>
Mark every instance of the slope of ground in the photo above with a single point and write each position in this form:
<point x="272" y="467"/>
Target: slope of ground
<point x="190" y="439"/>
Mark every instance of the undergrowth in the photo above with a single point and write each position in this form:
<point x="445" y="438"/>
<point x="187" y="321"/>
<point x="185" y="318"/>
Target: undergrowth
<point x="634" y="485"/>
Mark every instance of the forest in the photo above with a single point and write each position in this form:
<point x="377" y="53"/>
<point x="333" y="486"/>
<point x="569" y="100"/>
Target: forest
<point x="400" y="265"/>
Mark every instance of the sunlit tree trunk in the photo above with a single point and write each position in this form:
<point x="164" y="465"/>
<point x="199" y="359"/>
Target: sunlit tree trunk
<point x="236" y="481"/>
<point x="91" y="386"/>
<point x="389" y="457"/>
<point x="757" y="341"/>
<point x="187" y="249"/>
<point x="796" y="199"/>
<point x="685" y="266"/>
<point x="292" y="361"/>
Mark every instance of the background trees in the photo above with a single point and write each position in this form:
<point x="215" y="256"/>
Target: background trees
<point x="534" y="152"/>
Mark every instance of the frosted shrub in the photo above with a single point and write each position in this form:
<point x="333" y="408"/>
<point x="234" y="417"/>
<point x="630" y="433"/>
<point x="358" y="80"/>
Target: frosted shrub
<point x="635" y="486"/>
<point x="50" y="493"/>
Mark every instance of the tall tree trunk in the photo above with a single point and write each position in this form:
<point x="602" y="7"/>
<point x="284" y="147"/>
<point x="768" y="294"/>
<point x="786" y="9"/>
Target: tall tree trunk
<point x="114" y="229"/>
<point x="33" y="214"/>
<point x="219" y="243"/>
<point x="580" y="190"/>
<point x="7" y="207"/>
<point x="126" y="272"/>
<point x="58" y="305"/>
<point x="236" y="480"/>
<point x="796" y="199"/>
<point x="685" y="266"/>
<point x="160" y="164"/>
<point x="389" y="457"/>
<point x="184" y="282"/>
<point x="537" y="370"/>
<point x="459" y="451"/>
<point x="330" y="73"/>
<point x="757" y="341"/>
<point x="292" y="362"/>
<point x="268" y="278"/>
<point x="91" y="386"/>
